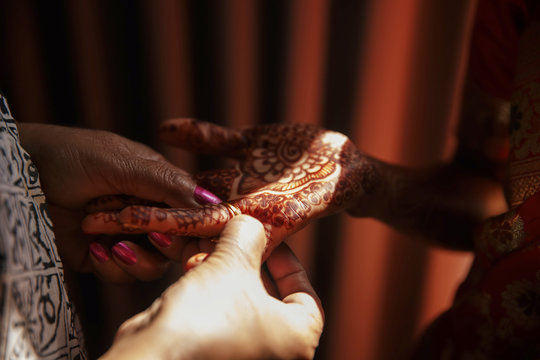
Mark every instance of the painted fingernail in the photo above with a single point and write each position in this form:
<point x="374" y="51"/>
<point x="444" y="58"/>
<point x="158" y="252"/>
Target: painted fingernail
<point x="203" y="196"/>
<point x="196" y="260"/>
<point x="99" y="252"/>
<point x="124" y="253"/>
<point x="160" y="239"/>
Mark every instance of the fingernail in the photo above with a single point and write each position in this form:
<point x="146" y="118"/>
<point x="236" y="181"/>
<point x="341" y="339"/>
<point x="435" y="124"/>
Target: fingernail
<point x="203" y="196"/>
<point x="160" y="239"/>
<point x="99" y="252"/>
<point x="196" y="260"/>
<point x="124" y="253"/>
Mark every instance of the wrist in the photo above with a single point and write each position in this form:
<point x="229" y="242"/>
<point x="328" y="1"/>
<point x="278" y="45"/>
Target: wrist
<point x="153" y="343"/>
<point x="371" y="184"/>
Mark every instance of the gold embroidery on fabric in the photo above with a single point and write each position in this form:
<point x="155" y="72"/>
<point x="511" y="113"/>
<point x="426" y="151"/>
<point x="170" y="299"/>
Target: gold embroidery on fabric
<point x="525" y="142"/>
<point x="502" y="235"/>
<point x="520" y="300"/>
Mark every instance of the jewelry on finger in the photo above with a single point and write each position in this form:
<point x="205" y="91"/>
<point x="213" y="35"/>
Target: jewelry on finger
<point x="235" y="211"/>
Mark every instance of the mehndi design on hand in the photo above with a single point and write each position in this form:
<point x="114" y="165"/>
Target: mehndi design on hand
<point x="286" y="175"/>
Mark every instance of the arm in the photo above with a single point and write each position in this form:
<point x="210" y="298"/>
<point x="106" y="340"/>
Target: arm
<point x="287" y="175"/>
<point x="443" y="204"/>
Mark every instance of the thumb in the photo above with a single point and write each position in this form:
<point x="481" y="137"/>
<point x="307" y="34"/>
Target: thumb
<point x="160" y="181"/>
<point x="242" y="241"/>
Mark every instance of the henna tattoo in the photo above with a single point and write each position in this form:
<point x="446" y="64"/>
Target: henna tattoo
<point x="204" y="221"/>
<point x="111" y="223"/>
<point x="204" y="137"/>
<point x="106" y="217"/>
<point x="288" y="210"/>
<point x="286" y="176"/>
<point x="287" y="163"/>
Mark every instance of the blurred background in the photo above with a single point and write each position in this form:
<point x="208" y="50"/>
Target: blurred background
<point x="388" y="73"/>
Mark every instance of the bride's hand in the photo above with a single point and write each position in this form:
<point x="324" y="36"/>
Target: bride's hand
<point x="285" y="175"/>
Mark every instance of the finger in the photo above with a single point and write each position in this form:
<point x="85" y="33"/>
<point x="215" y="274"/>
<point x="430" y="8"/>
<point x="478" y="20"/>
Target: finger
<point x="138" y="262"/>
<point x="242" y="241"/>
<point x="268" y="283"/>
<point x="171" y="247"/>
<point x="106" y="222"/>
<point x="205" y="221"/>
<point x="105" y="268"/>
<point x="291" y="279"/>
<point x="194" y="247"/>
<point x="157" y="180"/>
<point x="219" y="181"/>
<point x="204" y="137"/>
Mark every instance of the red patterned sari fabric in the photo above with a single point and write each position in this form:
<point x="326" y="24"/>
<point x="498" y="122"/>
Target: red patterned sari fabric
<point x="496" y="310"/>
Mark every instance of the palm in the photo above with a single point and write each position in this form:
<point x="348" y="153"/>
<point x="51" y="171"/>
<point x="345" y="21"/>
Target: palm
<point x="285" y="176"/>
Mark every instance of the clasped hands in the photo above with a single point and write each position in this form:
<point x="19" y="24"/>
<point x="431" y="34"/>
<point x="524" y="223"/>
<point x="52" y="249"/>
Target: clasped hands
<point x="222" y="310"/>
<point x="285" y="176"/>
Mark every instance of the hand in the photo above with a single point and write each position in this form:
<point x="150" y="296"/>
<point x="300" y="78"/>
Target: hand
<point x="77" y="165"/>
<point x="220" y="309"/>
<point x="286" y="176"/>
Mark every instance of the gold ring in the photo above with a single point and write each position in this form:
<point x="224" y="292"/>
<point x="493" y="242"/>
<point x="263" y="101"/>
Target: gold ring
<point x="235" y="211"/>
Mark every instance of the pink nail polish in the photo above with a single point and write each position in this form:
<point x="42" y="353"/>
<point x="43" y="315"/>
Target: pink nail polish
<point x="99" y="252"/>
<point x="203" y="196"/>
<point x="160" y="239"/>
<point x="124" y="253"/>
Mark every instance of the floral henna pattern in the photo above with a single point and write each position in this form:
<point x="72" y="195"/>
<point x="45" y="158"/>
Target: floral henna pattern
<point x="287" y="163"/>
<point x="286" y="176"/>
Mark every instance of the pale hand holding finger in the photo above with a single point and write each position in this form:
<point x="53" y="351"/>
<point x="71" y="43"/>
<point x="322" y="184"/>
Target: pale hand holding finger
<point x="286" y="176"/>
<point x="220" y="309"/>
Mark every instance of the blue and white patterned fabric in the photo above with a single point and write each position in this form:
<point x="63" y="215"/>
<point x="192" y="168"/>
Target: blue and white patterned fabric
<point x="37" y="319"/>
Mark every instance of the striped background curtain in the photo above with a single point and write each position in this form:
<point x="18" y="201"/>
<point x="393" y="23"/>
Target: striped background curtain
<point x="387" y="73"/>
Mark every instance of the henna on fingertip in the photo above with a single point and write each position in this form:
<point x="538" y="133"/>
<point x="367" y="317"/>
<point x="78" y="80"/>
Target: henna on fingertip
<point x="205" y="221"/>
